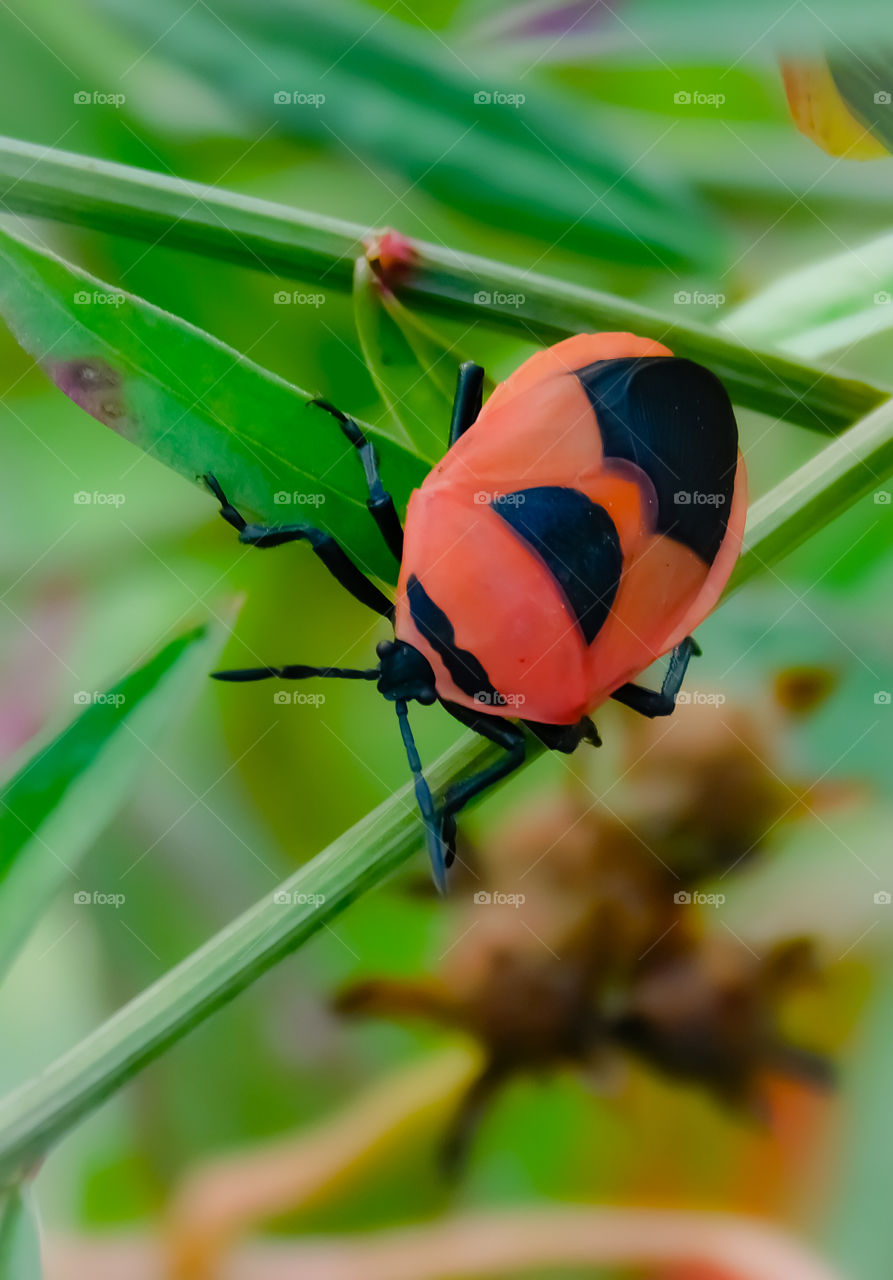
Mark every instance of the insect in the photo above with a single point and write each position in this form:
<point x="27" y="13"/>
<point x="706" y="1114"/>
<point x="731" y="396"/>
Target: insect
<point x="581" y="524"/>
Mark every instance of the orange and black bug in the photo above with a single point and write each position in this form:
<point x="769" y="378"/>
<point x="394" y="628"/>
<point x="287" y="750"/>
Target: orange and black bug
<point x="581" y="524"/>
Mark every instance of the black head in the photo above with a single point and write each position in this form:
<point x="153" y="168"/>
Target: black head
<point x="404" y="673"/>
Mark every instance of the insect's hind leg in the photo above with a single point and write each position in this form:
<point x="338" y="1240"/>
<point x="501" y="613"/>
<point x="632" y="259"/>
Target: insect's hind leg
<point x="468" y="399"/>
<point x="380" y="503"/>
<point x="653" y="702"/>
<point x="336" y="560"/>
<point x="506" y="735"/>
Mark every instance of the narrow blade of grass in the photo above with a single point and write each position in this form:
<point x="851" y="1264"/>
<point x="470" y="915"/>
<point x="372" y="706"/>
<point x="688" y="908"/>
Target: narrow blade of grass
<point x="54" y="807"/>
<point x="259" y="234"/>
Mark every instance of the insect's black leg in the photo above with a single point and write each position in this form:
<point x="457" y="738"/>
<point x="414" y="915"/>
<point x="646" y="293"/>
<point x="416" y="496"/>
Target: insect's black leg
<point x="380" y="503"/>
<point x="650" y="702"/>
<point x="498" y="730"/>
<point x="338" y="563"/>
<point x="468" y="399"/>
<point x="565" y="737"/>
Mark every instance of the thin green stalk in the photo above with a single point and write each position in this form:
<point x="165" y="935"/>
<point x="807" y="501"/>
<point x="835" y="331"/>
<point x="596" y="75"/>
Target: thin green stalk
<point x="34" y="1116"/>
<point x="273" y="237"/>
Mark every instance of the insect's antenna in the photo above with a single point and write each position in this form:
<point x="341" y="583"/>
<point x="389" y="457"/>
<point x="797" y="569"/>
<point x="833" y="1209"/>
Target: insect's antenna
<point x="296" y="673"/>
<point x="423" y="798"/>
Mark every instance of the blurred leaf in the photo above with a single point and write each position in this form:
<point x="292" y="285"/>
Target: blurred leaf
<point x="573" y="31"/>
<point x="62" y="797"/>
<point x="826" y="305"/>
<point x="193" y="402"/>
<point x="854" y="464"/>
<point x="19" y="1239"/>
<point x="861" y="1237"/>
<point x="215" y="222"/>
<point x="865" y="82"/>
<point x="38" y="1113"/>
<point x="413" y="368"/>
<point x="386" y="93"/>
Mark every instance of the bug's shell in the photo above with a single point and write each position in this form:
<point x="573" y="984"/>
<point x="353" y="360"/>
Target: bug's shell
<point x="546" y="561"/>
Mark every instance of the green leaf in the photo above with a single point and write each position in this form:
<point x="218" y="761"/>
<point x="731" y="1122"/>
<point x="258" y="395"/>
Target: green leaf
<point x="387" y="95"/>
<point x="193" y="402"/>
<point x="38" y="1113"/>
<point x="19" y="1238"/>
<point x="61" y="798"/>
<point x="853" y="465"/>
<point x="823" y="306"/>
<point x="413" y="368"/>
<point x="864" y="81"/>
<point x="259" y="234"/>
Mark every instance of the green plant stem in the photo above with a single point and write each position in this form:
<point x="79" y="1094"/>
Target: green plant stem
<point x="38" y="1113"/>
<point x="275" y="238"/>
